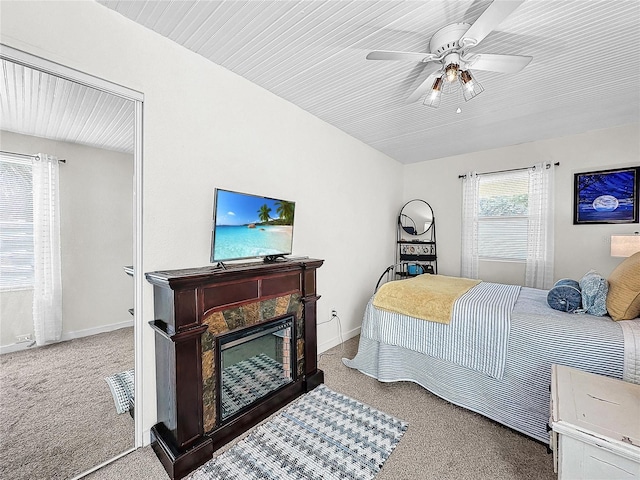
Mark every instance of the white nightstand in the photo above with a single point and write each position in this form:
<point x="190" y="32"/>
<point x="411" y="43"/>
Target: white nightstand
<point x="595" y="422"/>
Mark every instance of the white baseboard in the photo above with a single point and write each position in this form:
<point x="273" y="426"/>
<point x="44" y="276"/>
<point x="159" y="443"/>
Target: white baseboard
<point x="16" y="347"/>
<point x="323" y="347"/>
<point x="146" y="437"/>
<point x="95" y="330"/>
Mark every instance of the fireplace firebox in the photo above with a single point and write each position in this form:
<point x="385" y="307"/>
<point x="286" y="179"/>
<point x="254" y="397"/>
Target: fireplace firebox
<point x="232" y="347"/>
<point x="253" y="363"/>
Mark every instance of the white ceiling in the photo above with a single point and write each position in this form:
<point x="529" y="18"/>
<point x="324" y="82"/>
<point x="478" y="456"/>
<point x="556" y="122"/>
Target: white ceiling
<point x="42" y="105"/>
<point x="585" y="73"/>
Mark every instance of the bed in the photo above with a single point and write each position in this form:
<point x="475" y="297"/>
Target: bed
<point x="494" y="357"/>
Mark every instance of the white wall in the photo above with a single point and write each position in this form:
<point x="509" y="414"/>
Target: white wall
<point x="96" y="215"/>
<point x="578" y="248"/>
<point x="205" y="127"/>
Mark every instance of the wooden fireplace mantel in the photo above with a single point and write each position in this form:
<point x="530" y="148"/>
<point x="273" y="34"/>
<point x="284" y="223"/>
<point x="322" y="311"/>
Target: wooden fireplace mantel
<point x="191" y="306"/>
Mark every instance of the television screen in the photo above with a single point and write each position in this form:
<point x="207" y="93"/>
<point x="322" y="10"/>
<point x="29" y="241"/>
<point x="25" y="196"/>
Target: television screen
<point x="250" y="226"/>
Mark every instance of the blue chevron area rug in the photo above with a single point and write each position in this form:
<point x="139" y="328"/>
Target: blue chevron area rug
<point x="322" y="435"/>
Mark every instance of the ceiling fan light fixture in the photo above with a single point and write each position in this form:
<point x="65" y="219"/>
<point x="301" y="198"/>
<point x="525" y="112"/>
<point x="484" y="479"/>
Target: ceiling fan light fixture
<point x="470" y="86"/>
<point x="435" y="94"/>
<point x="451" y="72"/>
<point x="448" y="55"/>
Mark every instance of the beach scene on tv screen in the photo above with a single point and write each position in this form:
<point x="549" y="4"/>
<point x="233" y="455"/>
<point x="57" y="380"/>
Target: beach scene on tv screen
<point x="249" y="226"/>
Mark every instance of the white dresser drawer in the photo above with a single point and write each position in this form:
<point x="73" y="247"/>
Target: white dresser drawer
<point x="579" y="460"/>
<point x="596" y="426"/>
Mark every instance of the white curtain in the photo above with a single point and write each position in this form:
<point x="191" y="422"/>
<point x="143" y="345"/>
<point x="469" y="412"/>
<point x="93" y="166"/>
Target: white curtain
<point x="539" y="266"/>
<point x="47" y="292"/>
<point x="469" y="253"/>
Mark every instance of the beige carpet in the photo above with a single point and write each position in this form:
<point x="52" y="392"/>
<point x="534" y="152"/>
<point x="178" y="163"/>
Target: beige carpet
<point x="443" y="441"/>
<point x="57" y="415"/>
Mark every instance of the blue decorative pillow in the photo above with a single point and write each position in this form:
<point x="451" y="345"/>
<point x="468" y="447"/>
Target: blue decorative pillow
<point x="567" y="281"/>
<point x="594" y="293"/>
<point x="565" y="296"/>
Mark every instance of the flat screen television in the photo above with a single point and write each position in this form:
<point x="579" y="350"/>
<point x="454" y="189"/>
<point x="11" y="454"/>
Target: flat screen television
<point x="250" y="226"/>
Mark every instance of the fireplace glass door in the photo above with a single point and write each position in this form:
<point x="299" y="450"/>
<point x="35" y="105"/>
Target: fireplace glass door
<point x="254" y="362"/>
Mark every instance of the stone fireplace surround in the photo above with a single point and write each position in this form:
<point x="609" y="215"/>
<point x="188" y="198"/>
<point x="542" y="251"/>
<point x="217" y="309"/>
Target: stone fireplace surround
<point x="240" y="318"/>
<point x="191" y="308"/>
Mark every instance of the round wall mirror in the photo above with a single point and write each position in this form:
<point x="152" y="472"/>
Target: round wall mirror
<point x="416" y="217"/>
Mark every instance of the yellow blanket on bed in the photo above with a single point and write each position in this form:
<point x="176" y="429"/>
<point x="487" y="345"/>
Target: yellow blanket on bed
<point x="428" y="297"/>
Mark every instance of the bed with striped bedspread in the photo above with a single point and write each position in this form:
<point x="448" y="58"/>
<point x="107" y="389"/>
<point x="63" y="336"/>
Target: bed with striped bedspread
<point x="475" y="338"/>
<point x="538" y="337"/>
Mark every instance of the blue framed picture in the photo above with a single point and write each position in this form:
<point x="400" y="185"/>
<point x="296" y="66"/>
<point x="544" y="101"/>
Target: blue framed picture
<point x="606" y="196"/>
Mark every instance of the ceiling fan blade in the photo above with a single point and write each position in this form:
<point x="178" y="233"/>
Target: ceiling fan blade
<point x="424" y="81"/>
<point x="499" y="63"/>
<point x="406" y="56"/>
<point x="473" y="11"/>
<point x="489" y="20"/>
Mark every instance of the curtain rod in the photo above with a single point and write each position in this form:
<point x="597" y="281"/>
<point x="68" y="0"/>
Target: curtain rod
<point x="61" y="160"/>
<point x="509" y="170"/>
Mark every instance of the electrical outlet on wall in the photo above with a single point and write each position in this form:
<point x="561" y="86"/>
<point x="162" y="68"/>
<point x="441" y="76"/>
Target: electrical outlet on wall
<point x="334" y="314"/>
<point x="23" y="338"/>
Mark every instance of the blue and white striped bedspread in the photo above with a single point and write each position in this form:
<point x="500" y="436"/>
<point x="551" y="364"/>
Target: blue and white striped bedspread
<point x="476" y="338"/>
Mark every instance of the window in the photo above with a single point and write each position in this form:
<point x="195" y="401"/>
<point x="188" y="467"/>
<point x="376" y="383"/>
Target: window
<point x="503" y="216"/>
<point x="509" y="216"/>
<point x="16" y="222"/>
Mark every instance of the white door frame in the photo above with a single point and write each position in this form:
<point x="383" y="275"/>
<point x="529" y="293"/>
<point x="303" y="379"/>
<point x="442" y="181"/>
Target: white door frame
<point x="52" y="68"/>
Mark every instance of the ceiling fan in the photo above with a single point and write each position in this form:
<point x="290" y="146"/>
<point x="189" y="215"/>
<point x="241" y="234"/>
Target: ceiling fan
<point x="448" y="64"/>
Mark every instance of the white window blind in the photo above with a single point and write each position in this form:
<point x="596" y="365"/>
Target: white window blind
<point x="503" y="216"/>
<point x="16" y="222"/>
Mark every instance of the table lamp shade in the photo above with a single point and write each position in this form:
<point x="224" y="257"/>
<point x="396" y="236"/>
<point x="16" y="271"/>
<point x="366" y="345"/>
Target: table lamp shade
<point x="624" y="245"/>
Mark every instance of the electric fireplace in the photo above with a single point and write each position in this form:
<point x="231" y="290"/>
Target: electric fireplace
<point x="233" y="345"/>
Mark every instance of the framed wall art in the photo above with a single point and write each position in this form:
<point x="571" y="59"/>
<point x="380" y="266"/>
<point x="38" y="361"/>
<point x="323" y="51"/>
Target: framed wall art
<point x="606" y="196"/>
